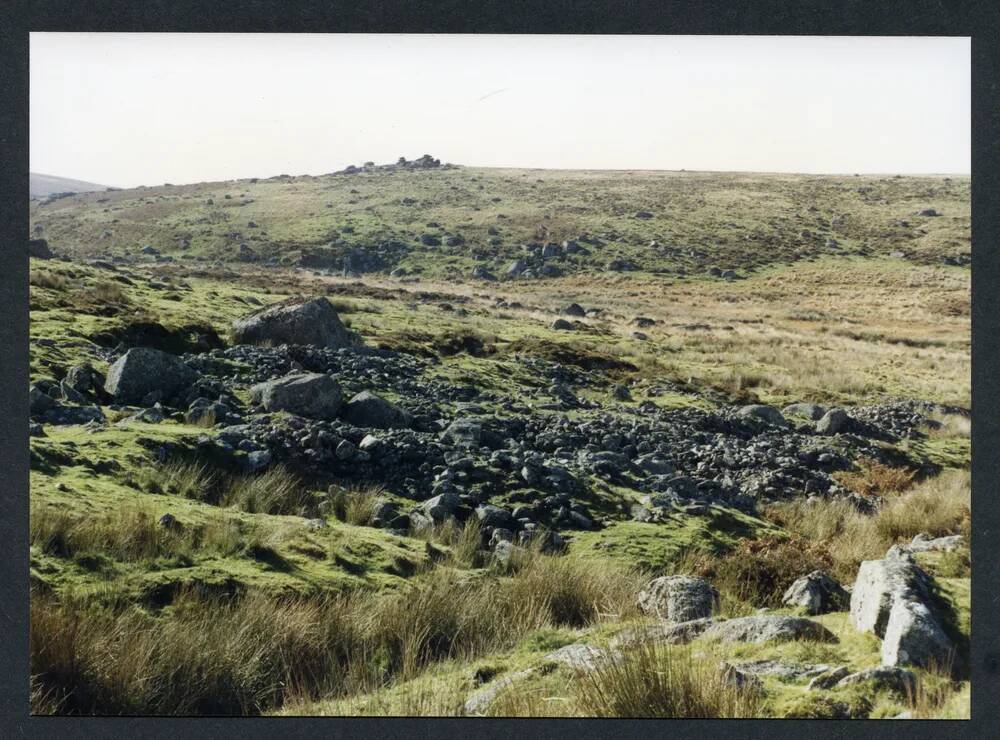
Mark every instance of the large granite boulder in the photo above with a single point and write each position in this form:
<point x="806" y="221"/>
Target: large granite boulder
<point x="369" y="411"/>
<point x="295" y="321"/>
<point x="817" y="593"/>
<point x="769" y="628"/>
<point x="679" y="598"/>
<point x="143" y="371"/>
<point x="766" y="414"/>
<point x="314" y="395"/>
<point x="892" y="599"/>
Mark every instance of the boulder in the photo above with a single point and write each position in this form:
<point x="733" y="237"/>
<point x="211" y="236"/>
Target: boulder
<point x="923" y="542"/>
<point x="463" y="433"/>
<point x="295" y="321"/>
<point x="493" y="516"/>
<point x="370" y="411"/>
<point x="672" y="634"/>
<point x="142" y="371"/>
<point x="769" y="628"/>
<point x="313" y="395"/>
<point x="832" y="422"/>
<point x="679" y="598"/>
<point x="900" y="680"/>
<point x="441" y="507"/>
<point x="574" y="309"/>
<point x="84" y="379"/>
<point x="892" y="599"/>
<point x="579" y="656"/>
<point x="561" y="325"/>
<point x="767" y="414"/>
<point x="817" y="593"/>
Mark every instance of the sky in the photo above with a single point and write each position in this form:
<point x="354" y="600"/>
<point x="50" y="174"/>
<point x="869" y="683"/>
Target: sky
<point x="145" y="109"/>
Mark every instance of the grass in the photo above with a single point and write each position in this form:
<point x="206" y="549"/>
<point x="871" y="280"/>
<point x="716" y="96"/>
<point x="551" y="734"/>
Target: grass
<point x="132" y="533"/>
<point x="275" y="491"/>
<point x="244" y="655"/>
<point x="938" y="506"/>
<point x="357" y="504"/>
<point x="655" y="680"/>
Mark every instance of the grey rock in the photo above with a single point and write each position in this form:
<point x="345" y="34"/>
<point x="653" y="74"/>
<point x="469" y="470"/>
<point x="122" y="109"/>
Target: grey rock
<point x="493" y="516"/>
<point x="579" y="656"/>
<point x="574" y="309"/>
<point x="679" y="598"/>
<point x="313" y="395"/>
<point x="833" y="422"/>
<point x="900" y="680"/>
<point x="143" y="370"/>
<point x="923" y="542"/>
<point x="84" y="378"/>
<point x="463" y="433"/>
<point x="767" y="414"/>
<point x="738" y="678"/>
<point x="258" y="460"/>
<point x="441" y="507"/>
<point x="653" y="464"/>
<point x="298" y="321"/>
<point x="561" y="325"/>
<point x="369" y="411"/>
<point x="817" y="593"/>
<point x="515" y="268"/>
<point x="784" y="670"/>
<point x="478" y="703"/>
<point x="672" y="634"/>
<point x="892" y="598"/>
<point x="829" y="679"/>
<point x="769" y="628"/>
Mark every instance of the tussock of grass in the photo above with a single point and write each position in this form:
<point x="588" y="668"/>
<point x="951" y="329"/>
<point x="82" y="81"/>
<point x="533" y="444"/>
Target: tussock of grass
<point x="180" y="477"/>
<point x="275" y="491"/>
<point x="656" y="680"/>
<point x="357" y="504"/>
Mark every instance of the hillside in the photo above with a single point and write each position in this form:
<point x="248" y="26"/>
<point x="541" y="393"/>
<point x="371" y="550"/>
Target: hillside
<point x="268" y="481"/>
<point x="447" y="222"/>
<point x="40" y="186"/>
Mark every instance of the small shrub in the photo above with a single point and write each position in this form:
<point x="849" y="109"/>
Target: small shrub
<point x="876" y="479"/>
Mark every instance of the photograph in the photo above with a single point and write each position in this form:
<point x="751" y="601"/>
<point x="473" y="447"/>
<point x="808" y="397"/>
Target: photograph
<point x="499" y="375"/>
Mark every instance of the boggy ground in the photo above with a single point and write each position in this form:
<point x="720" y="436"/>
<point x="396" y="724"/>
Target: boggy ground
<point x="301" y="568"/>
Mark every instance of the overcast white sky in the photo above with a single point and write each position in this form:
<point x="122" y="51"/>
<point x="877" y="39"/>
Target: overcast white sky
<point x="131" y="109"/>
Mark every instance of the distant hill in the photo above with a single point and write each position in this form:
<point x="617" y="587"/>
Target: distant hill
<point x="41" y="185"/>
<point x="440" y="222"/>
